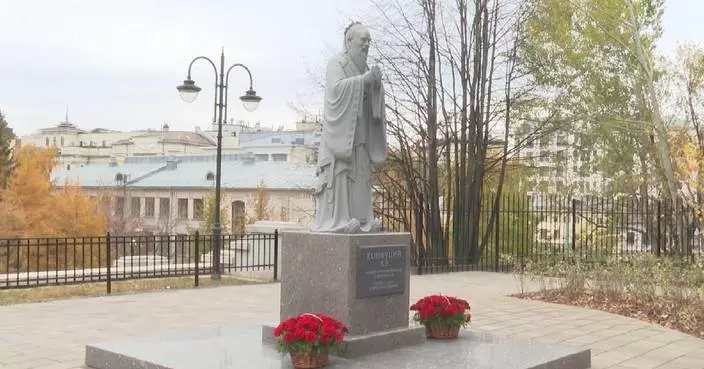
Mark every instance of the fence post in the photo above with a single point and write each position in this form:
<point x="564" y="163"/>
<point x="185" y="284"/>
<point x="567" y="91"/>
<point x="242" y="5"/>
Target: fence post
<point x="574" y="224"/>
<point x="657" y="250"/>
<point x="197" y="252"/>
<point x="109" y="284"/>
<point x="420" y="256"/>
<point x="276" y="254"/>
<point x="496" y="239"/>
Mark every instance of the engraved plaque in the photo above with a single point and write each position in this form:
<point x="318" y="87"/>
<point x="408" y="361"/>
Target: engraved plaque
<point x="381" y="270"/>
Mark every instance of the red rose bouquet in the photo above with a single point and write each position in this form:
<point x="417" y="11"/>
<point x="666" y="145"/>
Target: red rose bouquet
<point x="442" y="315"/>
<point x="309" y="338"/>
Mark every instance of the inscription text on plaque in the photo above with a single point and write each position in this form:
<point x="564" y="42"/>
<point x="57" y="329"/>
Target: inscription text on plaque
<point x="381" y="270"/>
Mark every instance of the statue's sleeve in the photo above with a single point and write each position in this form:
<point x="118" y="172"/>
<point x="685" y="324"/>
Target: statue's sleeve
<point x="343" y="103"/>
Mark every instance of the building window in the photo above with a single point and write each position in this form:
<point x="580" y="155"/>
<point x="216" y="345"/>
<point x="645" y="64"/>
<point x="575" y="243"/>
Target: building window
<point x="136" y="207"/>
<point x="279" y="157"/>
<point x="556" y="234"/>
<point x="164" y="208"/>
<point x="544" y="141"/>
<point x="262" y="157"/>
<point x="239" y="217"/>
<point x="630" y="238"/>
<point x="62" y="141"/>
<point x="80" y="143"/>
<point x="276" y="140"/>
<point x="183" y="208"/>
<point x="119" y="206"/>
<point x="47" y="141"/>
<point x="299" y="141"/>
<point x="149" y="207"/>
<point x="544" y="234"/>
<point x="104" y="144"/>
<point x="197" y="208"/>
<point x="283" y="214"/>
<point x="54" y="141"/>
<point x="543" y="186"/>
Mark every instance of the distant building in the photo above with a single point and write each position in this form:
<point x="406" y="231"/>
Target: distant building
<point x="559" y="167"/>
<point x="80" y="147"/>
<point x="162" y="195"/>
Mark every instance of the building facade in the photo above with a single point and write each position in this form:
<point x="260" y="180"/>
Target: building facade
<point x="165" y="195"/>
<point x="81" y="147"/>
<point x="559" y="165"/>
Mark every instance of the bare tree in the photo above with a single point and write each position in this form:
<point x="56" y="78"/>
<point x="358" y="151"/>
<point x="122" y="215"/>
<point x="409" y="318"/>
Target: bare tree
<point x="443" y="65"/>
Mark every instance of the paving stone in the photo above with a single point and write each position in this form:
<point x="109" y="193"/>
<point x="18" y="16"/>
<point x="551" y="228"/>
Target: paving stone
<point x="27" y="330"/>
<point x="611" y="358"/>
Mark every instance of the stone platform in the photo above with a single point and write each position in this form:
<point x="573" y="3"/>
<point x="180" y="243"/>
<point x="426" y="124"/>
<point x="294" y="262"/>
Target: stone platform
<point x="365" y="344"/>
<point x="237" y="346"/>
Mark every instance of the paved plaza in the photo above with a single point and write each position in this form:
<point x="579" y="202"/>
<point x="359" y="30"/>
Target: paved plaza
<point x="53" y="335"/>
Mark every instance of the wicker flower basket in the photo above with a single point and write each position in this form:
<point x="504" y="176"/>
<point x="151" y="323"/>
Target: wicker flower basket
<point x="442" y="332"/>
<point x="309" y="360"/>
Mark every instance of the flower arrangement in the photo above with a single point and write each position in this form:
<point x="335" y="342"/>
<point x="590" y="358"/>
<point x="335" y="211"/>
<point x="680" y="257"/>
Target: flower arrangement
<point x="442" y="315"/>
<point x="308" y="338"/>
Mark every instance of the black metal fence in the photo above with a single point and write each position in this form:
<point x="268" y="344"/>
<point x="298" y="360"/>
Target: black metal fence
<point x="539" y="226"/>
<point x="31" y="262"/>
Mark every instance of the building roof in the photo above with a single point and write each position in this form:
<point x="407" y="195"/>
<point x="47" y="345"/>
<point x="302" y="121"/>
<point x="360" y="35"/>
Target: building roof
<point x="283" y="138"/>
<point x="177" y="137"/>
<point x="191" y="173"/>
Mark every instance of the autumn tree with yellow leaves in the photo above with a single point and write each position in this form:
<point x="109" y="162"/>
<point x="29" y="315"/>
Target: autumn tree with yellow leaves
<point x="33" y="206"/>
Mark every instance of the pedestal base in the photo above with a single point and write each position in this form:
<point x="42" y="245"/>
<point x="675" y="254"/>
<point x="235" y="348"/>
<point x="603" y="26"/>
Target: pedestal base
<point x="358" y="346"/>
<point x="236" y="347"/>
<point x="363" y="280"/>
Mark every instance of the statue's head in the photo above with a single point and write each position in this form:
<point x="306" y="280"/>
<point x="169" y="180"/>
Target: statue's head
<point x="357" y="39"/>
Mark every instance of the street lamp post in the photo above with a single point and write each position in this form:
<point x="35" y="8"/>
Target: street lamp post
<point x="189" y="92"/>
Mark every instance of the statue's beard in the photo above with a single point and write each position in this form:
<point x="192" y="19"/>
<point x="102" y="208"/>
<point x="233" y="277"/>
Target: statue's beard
<point x="359" y="59"/>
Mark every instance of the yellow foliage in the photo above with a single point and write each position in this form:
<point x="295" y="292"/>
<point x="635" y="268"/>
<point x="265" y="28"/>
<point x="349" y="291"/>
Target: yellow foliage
<point x="688" y="158"/>
<point x="31" y="206"/>
<point x="77" y="215"/>
<point x="261" y="202"/>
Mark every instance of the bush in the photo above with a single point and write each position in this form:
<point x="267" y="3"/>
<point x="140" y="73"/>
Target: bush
<point x="640" y="276"/>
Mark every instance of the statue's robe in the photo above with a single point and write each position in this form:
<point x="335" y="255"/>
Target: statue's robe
<point x="353" y="141"/>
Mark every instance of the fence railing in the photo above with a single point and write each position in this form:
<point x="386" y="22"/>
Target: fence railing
<point x="535" y="227"/>
<point x="31" y="262"/>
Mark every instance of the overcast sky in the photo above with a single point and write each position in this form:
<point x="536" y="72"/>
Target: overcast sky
<point x="116" y="64"/>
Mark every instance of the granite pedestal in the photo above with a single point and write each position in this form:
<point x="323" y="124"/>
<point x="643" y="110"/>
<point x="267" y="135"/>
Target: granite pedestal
<point x="361" y="279"/>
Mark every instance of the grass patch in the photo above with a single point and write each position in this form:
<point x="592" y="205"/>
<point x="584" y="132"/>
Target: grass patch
<point x="49" y="293"/>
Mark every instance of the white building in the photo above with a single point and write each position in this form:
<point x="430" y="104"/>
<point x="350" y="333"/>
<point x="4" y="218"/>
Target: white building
<point x="560" y="168"/>
<point x="162" y="195"/>
<point x="80" y="147"/>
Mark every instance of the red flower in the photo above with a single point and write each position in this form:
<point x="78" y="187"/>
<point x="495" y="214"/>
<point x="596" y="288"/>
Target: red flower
<point x="309" y="328"/>
<point x="299" y="333"/>
<point x="310" y="337"/>
<point x="432" y="307"/>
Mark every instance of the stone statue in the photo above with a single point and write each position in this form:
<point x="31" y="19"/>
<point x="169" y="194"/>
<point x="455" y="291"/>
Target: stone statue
<point x="353" y="139"/>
